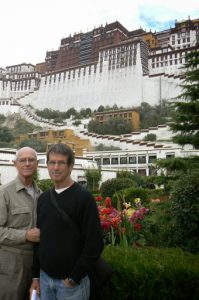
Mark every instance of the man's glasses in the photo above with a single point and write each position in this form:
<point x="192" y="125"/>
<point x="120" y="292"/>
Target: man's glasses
<point x="24" y="161"/>
<point x="60" y="163"/>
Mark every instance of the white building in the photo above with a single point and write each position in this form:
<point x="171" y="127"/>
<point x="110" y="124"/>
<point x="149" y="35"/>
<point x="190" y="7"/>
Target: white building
<point x="8" y="171"/>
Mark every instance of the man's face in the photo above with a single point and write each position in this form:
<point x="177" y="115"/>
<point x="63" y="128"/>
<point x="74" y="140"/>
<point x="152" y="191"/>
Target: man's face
<point x="26" y="163"/>
<point x="58" y="168"/>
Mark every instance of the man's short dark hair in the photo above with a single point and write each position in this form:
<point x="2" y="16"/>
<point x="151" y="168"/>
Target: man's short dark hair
<point x="61" y="148"/>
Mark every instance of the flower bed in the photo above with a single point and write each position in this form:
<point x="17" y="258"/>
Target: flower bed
<point x="125" y="226"/>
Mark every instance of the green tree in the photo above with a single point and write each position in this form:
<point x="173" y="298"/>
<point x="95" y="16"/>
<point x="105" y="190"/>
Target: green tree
<point x="93" y="177"/>
<point x="102" y="147"/>
<point x="186" y="116"/>
<point x="39" y="146"/>
<point x="150" y="137"/>
<point x="5" y="134"/>
<point x="185" y="210"/>
<point x="115" y="126"/>
<point x="151" y="116"/>
<point x="2" y="118"/>
<point x="22" y="126"/>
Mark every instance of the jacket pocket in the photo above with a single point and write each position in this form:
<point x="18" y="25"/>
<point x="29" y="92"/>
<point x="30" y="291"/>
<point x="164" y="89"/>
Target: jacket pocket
<point x="20" y="217"/>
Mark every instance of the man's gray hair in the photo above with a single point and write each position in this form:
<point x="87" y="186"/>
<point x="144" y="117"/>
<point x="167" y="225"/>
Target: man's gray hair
<point x="21" y="150"/>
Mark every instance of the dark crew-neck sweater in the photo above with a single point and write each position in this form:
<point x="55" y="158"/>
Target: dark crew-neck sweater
<point x="60" y="252"/>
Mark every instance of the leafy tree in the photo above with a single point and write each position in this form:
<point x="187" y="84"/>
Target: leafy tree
<point x="186" y="116"/>
<point x="85" y="113"/>
<point x="102" y="147"/>
<point x="22" y="127"/>
<point x="150" y="137"/>
<point x="45" y="184"/>
<point x="110" y="186"/>
<point x="71" y="112"/>
<point x="39" y="146"/>
<point x="5" y="134"/>
<point x="101" y="108"/>
<point x="151" y="116"/>
<point x="2" y="118"/>
<point x="47" y="113"/>
<point x="185" y="210"/>
<point x="115" y="126"/>
<point x="93" y="177"/>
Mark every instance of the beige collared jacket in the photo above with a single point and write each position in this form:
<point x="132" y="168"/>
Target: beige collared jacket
<point x="17" y="214"/>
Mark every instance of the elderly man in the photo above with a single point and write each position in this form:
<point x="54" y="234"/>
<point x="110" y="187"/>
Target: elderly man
<point x="18" y="200"/>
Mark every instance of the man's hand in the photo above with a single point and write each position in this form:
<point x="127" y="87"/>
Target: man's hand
<point x="69" y="283"/>
<point x="33" y="235"/>
<point x="35" y="286"/>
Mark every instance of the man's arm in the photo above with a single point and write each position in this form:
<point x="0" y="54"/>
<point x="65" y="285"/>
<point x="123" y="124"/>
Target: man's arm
<point x="92" y="240"/>
<point x="14" y="236"/>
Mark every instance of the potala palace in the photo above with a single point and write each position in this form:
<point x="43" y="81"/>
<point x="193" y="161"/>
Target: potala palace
<point x="106" y="66"/>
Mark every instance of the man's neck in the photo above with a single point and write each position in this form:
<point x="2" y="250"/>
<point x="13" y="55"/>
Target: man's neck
<point x="27" y="181"/>
<point x="62" y="185"/>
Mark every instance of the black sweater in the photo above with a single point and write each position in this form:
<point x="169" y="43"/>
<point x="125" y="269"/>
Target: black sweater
<point x="60" y="253"/>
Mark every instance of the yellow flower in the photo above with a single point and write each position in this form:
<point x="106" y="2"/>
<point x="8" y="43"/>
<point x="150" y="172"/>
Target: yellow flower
<point x="137" y="200"/>
<point x="130" y="211"/>
<point x="127" y="205"/>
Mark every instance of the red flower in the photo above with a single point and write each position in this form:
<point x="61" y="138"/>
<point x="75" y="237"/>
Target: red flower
<point x="107" y="202"/>
<point x="98" y="198"/>
<point x="137" y="226"/>
<point x="105" y="211"/>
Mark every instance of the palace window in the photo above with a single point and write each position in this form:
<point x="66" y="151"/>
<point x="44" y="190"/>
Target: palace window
<point x="106" y="161"/>
<point x="123" y="160"/>
<point x="114" y="160"/>
<point x="141" y="159"/>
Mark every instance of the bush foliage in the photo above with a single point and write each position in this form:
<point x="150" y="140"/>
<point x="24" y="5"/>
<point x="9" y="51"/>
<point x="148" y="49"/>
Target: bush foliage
<point x="109" y="187"/>
<point x="151" y="273"/>
<point x="185" y="210"/>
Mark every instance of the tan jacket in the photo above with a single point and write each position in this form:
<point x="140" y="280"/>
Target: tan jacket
<point x="17" y="214"/>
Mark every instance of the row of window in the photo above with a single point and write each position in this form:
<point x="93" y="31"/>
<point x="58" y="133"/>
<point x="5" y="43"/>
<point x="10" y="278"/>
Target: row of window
<point x="124" y="160"/>
<point x="19" y="85"/>
<point x="21" y="76"/>
<point x="115" y="115"/>
<point x="166" y="57"/>
<point x="71" y="74"/>
<point x="171" y="62"/>
<point x="182" y="41"/>
<point x="119" y="50"/>
<point x="59" y="134"/>
<point x="4" y="102"/>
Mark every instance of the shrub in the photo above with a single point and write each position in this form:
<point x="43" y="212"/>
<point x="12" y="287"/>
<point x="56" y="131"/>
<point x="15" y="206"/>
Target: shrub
<point x="150" y="137"/>
<point x="45" y="184"/>
<point x="185" y="210"/>
<point x="129" y="194"/>
<point x="152" y="274"/>
<point x="93" y="177"/>
<point x="109" y="187"/>
<point x="159" y="224"/>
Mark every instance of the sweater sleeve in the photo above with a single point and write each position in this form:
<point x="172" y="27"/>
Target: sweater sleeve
<point x="91" y="234"/>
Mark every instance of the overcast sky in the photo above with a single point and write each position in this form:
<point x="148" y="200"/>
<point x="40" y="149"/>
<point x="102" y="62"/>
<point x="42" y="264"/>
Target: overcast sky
<point x="29" y="28"/>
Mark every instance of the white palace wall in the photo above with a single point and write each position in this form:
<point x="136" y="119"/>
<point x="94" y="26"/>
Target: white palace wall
<point x="162" y="87"/>
<point x="88" y="87"/>
<point x="111" y="81"/>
